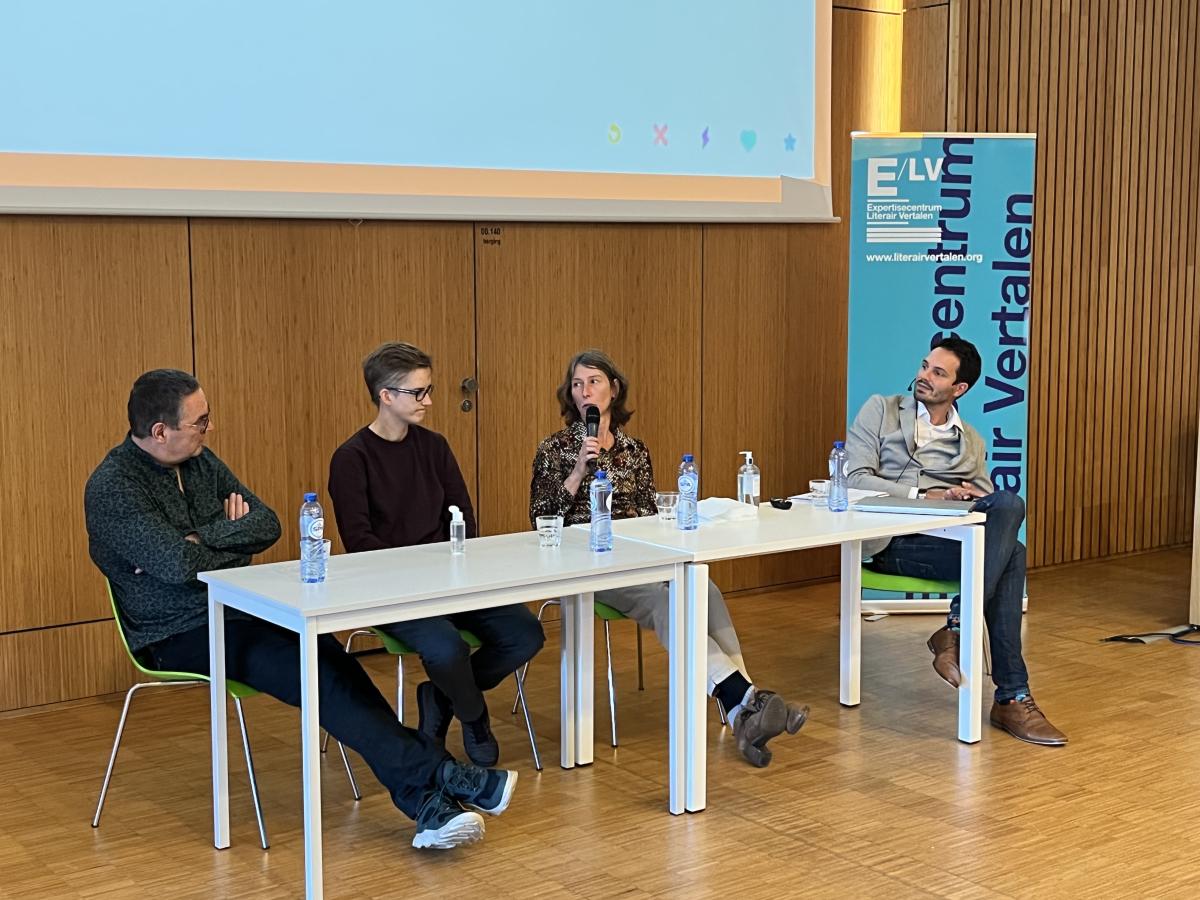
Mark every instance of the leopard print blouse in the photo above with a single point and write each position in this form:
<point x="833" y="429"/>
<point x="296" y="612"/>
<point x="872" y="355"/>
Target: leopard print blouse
<point x="627" y="465"/>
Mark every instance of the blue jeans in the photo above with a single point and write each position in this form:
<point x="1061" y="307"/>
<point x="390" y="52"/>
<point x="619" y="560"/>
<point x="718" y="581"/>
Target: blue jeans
<point x="925" y="556"/>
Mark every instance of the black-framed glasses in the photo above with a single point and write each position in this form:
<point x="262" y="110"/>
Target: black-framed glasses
<point x="417" y="394"/>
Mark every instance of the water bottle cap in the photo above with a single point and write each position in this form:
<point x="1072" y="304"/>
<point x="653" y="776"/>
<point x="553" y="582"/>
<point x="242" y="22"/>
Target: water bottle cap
<point x="687" y="457"/>
<point x="839" y="445"/>
<point x="601" y="475"/>
<point x="310" y="497"/>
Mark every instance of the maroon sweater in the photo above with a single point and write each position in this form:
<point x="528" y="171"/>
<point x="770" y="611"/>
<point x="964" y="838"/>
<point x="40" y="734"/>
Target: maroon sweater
<point x="396" y="493"/>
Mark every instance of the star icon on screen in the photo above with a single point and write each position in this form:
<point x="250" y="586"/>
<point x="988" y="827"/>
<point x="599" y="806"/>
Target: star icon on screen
<point x="789" y="143"/>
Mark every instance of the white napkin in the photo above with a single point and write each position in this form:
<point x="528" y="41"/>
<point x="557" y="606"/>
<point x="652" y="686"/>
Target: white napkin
<point x="724" y="509"/>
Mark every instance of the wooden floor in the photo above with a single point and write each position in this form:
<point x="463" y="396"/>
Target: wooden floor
<point x="878" y="801"/>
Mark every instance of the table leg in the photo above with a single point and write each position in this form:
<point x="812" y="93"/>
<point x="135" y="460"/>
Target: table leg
<point x="585" y="680"/>
<point x="695" y="639"/>
<point x="970" y="658"/>
<point x="217" y="713"/>
<point x="566" y="682"/>
<point x="677" y="687"/>
<point x="576" y="690"/>
<point x="311" y="752"/>
<point x="851" y="624"/>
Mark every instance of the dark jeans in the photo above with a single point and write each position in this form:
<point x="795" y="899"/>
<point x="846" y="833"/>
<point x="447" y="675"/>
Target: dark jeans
<point x="924" y="556"/>
<point x="353" y="710"/>
<point x="509" y="637"/>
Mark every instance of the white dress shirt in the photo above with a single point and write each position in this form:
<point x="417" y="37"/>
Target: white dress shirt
<point x="927" y="432"/>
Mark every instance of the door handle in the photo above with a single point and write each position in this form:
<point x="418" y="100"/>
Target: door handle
<point x="469" y="386"/>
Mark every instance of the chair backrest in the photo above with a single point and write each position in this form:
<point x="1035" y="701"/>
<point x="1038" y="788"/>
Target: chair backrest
<point x="137" y="663"/>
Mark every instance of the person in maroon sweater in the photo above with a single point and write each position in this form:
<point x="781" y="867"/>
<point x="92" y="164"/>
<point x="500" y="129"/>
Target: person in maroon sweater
<point x="392" y="484"/>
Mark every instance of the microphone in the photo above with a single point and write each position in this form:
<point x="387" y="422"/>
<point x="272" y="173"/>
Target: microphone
<point x="911" y="383"/>
<point x="591" y="416"/>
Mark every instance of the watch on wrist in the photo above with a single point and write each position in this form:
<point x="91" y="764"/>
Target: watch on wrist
<point x="921" y="492"/>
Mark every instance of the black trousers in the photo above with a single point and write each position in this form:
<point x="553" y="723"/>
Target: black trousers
<point x="353" y="710"/>
<point x="509" y="637"/>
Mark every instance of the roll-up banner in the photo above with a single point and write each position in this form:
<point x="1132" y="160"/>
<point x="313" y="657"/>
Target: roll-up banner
<point x="941" y="244"/>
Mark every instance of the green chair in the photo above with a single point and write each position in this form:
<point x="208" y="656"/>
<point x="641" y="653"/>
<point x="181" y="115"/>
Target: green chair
<point x="903" y="584"/>
<point x="236" y="689"/>
<point x="919" y="588"/>
<point x="399" y="649"/>
<point x="606" y="614"/>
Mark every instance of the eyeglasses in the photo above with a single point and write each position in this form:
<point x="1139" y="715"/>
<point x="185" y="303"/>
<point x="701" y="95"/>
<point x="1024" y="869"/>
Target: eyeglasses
<point x="202" y="424"/>
<point x="417" y="394"/>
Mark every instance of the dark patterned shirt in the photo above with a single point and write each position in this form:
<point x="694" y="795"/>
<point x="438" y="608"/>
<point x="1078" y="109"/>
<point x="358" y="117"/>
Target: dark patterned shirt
<point x="138" y="521"/>
<point x="627" y="465"/>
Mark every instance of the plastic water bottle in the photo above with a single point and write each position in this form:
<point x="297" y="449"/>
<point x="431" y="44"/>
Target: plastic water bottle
<point x="749" y="481"/>
<point x="687" y="516"/>
<point x="312" y="541"/>
<point x="458" y="532"/>
<point x="839" y="490"/>
<point x="600" y="495"/>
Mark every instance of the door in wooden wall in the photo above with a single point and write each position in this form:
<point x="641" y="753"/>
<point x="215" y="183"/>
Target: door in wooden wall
<point x="88" y="304"/>
<point x="285" y="311"/>
<point x="545" y="292"/>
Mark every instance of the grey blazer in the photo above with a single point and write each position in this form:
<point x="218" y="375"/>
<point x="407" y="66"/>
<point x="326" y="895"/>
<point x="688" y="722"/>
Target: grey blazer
<point x="882" y="451"/>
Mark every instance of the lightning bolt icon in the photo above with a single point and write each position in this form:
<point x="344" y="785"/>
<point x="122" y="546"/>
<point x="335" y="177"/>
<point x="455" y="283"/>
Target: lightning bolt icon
<point x="704" y="138"/>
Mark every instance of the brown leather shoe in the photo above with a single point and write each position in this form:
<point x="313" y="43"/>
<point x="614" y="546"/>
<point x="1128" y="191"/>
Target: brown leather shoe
<point x="943" y="643"/>
<point x="763" y="718"/>
<point x="797" y="715"/>
<point x="1022" y="719"/>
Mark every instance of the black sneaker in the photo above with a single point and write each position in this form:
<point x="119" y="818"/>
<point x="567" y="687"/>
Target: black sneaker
<point x="479" y="742"/>
<point x="443" y="824"/>
<point x="487" y="790"/>
<point x="434" y="712"/>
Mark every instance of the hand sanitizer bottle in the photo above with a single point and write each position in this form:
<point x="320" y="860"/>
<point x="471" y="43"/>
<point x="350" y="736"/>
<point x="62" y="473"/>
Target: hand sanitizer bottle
<point x="749" y="481"/>
<point x="458" y="532"/>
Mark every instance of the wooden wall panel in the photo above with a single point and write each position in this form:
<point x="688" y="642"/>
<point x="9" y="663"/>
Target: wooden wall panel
<point x="49" y="665"/>
<point x="87" y="305"/>
<point x="923" y="67"/>
<point x="544" y="292"/>
<point x="285" y="313"/>
<point x="1110" y="89"/>
<point x="775" y="315"/>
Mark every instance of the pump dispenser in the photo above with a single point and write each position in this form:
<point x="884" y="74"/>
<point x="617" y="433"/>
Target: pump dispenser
<point x="458" y="531"/>
<point x="749" y="481"/>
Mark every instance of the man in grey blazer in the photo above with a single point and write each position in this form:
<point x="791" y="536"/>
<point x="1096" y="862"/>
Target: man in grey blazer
<point x="915" y="445"/>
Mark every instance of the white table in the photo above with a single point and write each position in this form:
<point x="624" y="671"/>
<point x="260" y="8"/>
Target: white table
<point x="801" y="528"/>
<point x="364" y="589"/>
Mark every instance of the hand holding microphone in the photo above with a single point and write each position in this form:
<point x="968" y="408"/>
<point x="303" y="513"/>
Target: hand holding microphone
<point x="591" y="444"/>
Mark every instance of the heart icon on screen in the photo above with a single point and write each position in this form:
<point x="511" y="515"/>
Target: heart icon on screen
<point x="749" y="139"/>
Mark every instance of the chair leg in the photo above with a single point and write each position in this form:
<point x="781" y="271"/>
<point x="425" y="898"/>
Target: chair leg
<point x="641" y="671"/>
<point x="112" y="759"/>
<point x="533" y="746"/>
<point x="525" y="668"/>
<point x="349" y="773"/>
<point x="721" y="711"/>
<point x="612" y="692"/>
<point x="262" y="828"/>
